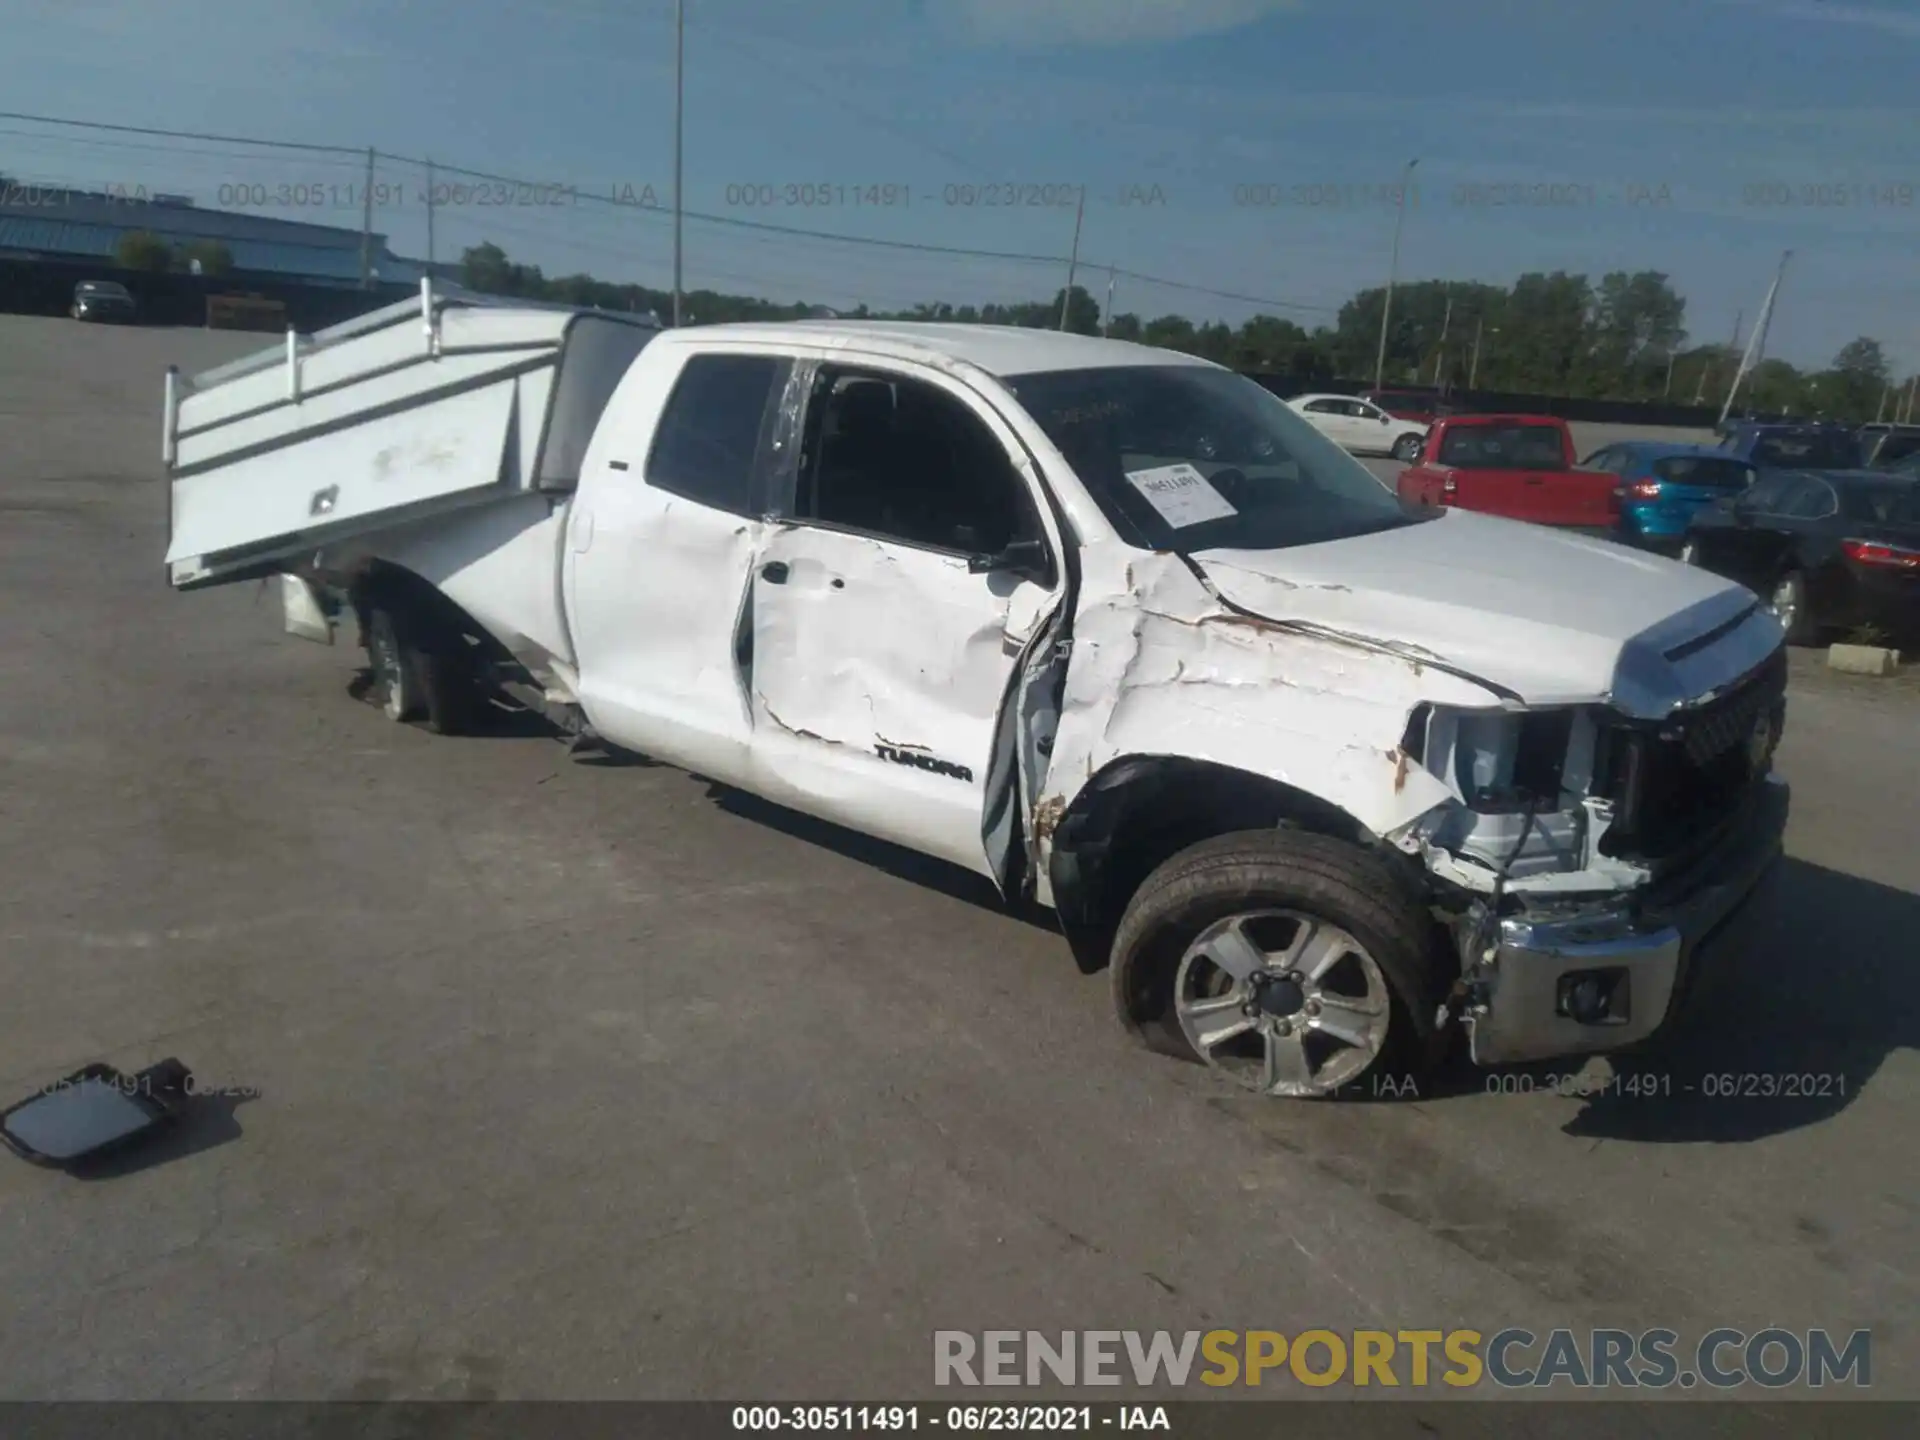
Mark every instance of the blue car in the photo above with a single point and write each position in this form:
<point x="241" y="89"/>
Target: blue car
<point x="1661" y="485"/>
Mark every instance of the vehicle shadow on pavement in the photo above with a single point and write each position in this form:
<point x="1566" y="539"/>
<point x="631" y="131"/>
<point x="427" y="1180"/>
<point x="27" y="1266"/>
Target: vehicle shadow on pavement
<point x="206" y="1122"/>
<point x="895" y="860"/>
<point x="1795" y="1010"/>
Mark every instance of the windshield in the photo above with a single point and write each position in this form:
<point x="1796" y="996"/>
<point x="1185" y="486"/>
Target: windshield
<point x="1185" y="458"/>
<point x="1504" y="447"/>
<point x="1813" y="450"/>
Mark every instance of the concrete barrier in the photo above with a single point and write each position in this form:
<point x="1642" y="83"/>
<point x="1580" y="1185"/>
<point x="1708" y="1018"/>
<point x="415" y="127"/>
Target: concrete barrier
<point x="1863" y="659"/>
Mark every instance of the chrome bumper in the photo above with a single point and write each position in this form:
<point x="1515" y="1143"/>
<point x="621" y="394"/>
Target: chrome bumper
<point x="1643" y="956"/>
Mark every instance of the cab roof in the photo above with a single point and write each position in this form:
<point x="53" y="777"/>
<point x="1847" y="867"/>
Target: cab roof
<point x="1000" y="350"/>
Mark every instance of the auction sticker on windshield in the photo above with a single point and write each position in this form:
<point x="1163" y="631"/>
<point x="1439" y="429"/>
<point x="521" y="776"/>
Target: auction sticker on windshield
<point x="1181" y="494"/>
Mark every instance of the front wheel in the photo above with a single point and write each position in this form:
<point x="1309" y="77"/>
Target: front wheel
<point x="1788" y="602"/>
<point x="1293" y="964"/>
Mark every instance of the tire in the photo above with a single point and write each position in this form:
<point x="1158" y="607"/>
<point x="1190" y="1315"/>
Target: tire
<point x="1260" y="885"/>
<point x="419" y="677"/>
<point x="1789" y="594"/>
<point x="1689" y="553"/>
<point x="1407" y="449"/>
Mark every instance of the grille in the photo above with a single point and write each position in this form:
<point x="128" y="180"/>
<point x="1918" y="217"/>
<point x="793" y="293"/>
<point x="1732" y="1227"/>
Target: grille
<point x="1674" y="785"/>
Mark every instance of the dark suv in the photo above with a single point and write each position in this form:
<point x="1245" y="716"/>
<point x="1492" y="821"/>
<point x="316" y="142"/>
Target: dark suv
<point x="103" y="300"/>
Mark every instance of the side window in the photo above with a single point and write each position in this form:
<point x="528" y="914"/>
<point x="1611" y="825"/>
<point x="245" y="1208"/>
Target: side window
<point x="1608" y="460"/>
<point x="1810" y="500"/>
<point x="1323" y="407"/>
<point x="1764" y="495"/>
<point x="709" y="436"/>
<point x="1896" y="448"/>
<point x="906" y="461"/>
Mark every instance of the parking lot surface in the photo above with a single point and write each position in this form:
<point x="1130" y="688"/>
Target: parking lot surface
<point x="586" y="1080"/>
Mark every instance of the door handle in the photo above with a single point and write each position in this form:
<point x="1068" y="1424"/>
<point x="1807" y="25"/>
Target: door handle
<point x="774" y="572"/>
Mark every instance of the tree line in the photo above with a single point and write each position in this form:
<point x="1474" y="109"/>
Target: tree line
<point x="1623" y="337"/>
<point x="144" y="251"/>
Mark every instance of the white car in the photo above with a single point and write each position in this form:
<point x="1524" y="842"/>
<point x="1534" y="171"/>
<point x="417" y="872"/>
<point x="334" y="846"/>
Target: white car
<point x="1359" y="427"/>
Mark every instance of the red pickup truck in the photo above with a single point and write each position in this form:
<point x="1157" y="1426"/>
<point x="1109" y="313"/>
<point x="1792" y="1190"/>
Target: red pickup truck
<point x="1519" y="466"/>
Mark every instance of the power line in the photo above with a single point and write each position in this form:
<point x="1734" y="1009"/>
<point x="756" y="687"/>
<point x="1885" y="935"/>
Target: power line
<point x="181" y="134"/>
<point x="762" y="226"/>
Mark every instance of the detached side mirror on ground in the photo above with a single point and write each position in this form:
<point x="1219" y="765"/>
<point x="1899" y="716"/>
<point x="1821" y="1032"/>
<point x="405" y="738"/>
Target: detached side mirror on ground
<point x="1026" y="558"/>
<point x="94" y="1110"/>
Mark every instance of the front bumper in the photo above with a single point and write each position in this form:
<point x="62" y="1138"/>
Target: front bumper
<point x="1641" y="954"/>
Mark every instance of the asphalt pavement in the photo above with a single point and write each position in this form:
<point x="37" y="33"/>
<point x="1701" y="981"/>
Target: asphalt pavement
<point x="554" y="1078"/>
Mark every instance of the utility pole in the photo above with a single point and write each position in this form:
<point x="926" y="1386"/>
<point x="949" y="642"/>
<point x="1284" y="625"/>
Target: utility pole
<point x="430" y="255"/>
<point x="1440" y="354"/>
<point x="1667" y="393"/>
<point x="1886" y="389"/>
<point x="1473" y="367"/>
<point x="1106" y="315"/>
<point x="1073" y="259"/>
<point x="1757" y="343"/>
<point x="1766" y="320"/>
<point x="1393" y="272"/>
<point x="1906" y="414"/>
<point x="679" y="115"/>
<point x="1706" y="366"/>
<point x="366" y="228"/>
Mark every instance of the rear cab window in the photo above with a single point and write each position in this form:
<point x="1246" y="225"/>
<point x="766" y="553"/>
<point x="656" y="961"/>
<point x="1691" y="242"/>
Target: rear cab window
<point x="714" y="428"/>
<point x="1713" y="472"/>
<point x="1504" y="447"/>
<point x="1812" y="451"/>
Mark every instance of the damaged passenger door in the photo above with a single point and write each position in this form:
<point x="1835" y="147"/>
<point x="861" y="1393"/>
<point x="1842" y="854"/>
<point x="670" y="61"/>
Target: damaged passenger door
<point x="896" y="592"/>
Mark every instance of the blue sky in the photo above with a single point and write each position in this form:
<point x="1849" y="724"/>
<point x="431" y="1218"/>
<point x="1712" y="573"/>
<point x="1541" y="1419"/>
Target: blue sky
<point x="1664" y="123"/>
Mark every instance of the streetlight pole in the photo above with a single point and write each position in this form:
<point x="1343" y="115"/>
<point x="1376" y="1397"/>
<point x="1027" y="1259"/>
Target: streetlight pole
<point x="679" y="115"/>
<point x="1106" y="315"/>
<point x="1440" y="355"/>
<point x="1393" y="273"/>
<point x="1073" y="260"/>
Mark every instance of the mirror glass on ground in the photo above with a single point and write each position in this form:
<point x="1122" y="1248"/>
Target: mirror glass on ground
<point x="77" y="1117"/>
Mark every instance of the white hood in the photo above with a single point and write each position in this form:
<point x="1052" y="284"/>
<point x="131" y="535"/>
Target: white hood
<point x="1547" y="616"/>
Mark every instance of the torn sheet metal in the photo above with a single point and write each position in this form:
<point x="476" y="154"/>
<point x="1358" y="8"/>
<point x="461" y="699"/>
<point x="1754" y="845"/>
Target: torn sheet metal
<point x="1161" y="667"/>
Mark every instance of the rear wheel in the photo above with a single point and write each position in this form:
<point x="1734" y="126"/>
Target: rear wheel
<point x="1293" y="964"/>
<point x="1407" y="449"/>
<point x="420" y="675"/>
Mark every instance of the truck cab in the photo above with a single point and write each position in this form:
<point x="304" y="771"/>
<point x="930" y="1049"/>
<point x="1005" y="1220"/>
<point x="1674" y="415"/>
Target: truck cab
<point x="1323" y="780"/>
<point x="1518" y="466"/>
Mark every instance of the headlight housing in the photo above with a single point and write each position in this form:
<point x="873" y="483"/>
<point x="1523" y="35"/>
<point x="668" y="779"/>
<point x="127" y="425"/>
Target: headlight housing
<point x="1522" y="778"/>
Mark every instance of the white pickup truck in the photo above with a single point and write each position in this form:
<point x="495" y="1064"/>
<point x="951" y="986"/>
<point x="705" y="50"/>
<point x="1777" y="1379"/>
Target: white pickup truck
<point x="1323" y="778"/>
